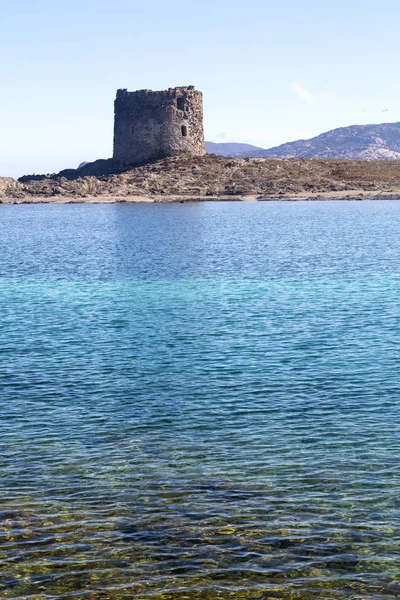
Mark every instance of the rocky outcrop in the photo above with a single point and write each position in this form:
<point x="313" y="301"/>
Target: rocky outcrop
<point x="210" y="177"/>
<point x="8" y="187"/>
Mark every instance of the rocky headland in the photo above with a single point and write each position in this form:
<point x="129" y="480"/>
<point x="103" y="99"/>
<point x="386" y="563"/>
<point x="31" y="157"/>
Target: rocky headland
<point x="210" y="177"/>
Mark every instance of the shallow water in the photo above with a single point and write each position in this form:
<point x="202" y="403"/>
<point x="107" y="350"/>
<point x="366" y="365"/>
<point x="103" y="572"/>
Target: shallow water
<point x="200" y="401"/>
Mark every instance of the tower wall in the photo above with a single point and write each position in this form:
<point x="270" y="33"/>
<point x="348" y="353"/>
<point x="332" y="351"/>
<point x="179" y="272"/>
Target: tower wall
<point x="151" y="125"/>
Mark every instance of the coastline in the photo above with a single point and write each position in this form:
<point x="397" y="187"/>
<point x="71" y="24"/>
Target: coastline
<point x="211" y="178"/>
<point x="349" y="195"/>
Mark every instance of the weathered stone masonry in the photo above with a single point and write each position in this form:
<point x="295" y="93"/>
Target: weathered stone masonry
<point x="150" y="125"/>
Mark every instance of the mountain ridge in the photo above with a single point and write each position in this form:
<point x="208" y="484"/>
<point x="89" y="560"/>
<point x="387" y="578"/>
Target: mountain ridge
<point x="355" y="142"/>
<point x="231" y="149"/>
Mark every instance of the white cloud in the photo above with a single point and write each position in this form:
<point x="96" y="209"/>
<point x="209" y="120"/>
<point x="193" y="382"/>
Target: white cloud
<point x="302" y="92"/>
<point x="223" y="135"/>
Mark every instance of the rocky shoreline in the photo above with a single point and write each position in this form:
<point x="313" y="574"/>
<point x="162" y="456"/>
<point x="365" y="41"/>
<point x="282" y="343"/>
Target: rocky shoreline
<point x="211" y="178"/>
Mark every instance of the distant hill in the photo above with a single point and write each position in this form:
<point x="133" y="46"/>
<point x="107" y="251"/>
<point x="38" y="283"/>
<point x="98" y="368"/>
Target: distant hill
<point x="357" y="142"/>
<point x="232" y="149"/>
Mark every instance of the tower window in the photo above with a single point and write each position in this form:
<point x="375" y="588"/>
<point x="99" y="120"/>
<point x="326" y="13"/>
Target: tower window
<point x="184" y="130"/>
<point x="180" y="102"/>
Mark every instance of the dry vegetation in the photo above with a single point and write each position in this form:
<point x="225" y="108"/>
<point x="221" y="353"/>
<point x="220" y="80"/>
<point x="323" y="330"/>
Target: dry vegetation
<point x="220" y="178"/>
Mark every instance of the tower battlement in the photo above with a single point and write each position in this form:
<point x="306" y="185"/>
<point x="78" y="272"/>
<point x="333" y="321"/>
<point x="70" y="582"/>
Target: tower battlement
<point x="151" y="125"/>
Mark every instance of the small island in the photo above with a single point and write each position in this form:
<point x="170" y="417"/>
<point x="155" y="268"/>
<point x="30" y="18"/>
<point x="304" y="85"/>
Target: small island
<point x="210" y="177"/>
<point x="159" y="156"/>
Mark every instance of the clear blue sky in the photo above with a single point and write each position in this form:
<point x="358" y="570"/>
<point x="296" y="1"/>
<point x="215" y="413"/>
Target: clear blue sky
<point x="271" y="72"/>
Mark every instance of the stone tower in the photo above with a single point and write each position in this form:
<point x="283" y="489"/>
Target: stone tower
<point x="151" y="125"/>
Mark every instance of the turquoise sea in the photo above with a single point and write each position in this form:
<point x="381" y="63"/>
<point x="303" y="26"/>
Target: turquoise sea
<point x="200" y="401"/>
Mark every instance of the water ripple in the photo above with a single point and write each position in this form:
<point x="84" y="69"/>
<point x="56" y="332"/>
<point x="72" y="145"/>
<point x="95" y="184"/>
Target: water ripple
<point x="200" y="402"/>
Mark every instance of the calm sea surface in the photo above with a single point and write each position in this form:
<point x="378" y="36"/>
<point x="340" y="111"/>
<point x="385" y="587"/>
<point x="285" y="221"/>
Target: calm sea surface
<point x="200" y="401"/>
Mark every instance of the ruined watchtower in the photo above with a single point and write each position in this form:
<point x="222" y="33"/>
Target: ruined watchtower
<point x="150" y="125"/>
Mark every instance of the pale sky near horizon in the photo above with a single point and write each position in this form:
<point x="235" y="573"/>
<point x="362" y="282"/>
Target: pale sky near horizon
<point x="270" y="72"/>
